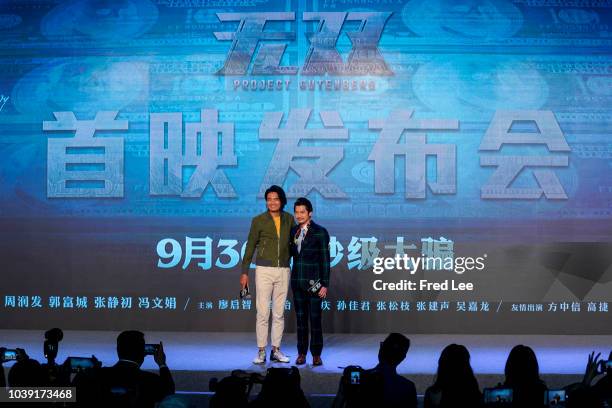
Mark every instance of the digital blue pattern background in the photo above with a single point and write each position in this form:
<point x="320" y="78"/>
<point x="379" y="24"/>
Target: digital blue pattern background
<point x="451" y="60"/>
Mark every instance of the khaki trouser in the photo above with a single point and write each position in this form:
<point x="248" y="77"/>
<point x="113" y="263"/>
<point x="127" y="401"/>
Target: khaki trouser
<point x="270" y="283"/>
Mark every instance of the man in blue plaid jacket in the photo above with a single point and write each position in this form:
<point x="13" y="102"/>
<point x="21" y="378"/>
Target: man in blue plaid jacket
<point x="309" y="279"/>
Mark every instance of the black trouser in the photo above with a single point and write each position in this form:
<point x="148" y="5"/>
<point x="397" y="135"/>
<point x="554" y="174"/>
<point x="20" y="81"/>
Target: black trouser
<point x="308" y="307"/>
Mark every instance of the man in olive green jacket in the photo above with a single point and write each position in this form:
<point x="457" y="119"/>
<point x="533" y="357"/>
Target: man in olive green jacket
<point x="269" y="235"/>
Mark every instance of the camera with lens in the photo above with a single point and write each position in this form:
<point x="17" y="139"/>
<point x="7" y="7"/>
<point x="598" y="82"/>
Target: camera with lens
<point x="51" y="345"/>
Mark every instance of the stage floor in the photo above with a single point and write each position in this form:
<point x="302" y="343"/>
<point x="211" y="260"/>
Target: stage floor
<point x="195" y="357"/>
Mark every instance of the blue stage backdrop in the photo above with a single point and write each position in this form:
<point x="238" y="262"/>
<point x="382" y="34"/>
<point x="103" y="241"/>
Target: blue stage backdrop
<point x="137" y="138"/>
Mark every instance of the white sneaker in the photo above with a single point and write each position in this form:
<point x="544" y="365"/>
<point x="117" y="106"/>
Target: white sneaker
<point x="261" y="357"/>
<point x="278" y="356"/>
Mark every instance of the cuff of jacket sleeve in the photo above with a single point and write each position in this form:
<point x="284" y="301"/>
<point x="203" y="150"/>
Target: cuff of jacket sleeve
<point x="245" y="269"/>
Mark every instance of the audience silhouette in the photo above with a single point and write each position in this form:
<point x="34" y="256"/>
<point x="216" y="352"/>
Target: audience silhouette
<point x="455" y="384"/>
<point x="523" y="377"/>
<point x="603" y="388"/>
<point x="125" y="384"/>
<point x="232" y="391"/>
<point x="381" y="385"/>
<point x="27" y="373"/>
<point x="281" y="388"/>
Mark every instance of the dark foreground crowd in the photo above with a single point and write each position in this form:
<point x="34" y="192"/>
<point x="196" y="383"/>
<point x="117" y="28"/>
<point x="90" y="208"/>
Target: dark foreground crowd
<point x="125" y="384"/>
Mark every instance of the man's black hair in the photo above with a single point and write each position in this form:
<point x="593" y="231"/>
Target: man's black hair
<point x="394" y="348"/>
<point x="130" y="345"/>
<point x="281" y="194"/>
<point x="305" y="202"/>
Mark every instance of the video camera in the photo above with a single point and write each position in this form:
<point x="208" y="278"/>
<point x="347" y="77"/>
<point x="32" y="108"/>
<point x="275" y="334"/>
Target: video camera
<point x="80" y="364"/>
<point x="555" y="398"/>
<point x="51" y="345"/>
<point x="151" y="349"/>
<point x="11" y="354"/>
<point x="360" y="387"/>
<point x="498" y="397"/>
<point x="239" y="380"/>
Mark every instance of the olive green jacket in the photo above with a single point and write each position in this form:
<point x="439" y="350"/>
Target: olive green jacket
<point x="271" y="250"/>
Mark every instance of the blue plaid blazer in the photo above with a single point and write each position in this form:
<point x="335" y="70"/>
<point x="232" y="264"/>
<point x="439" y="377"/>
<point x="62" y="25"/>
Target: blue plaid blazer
<point x="312" y="262"/>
